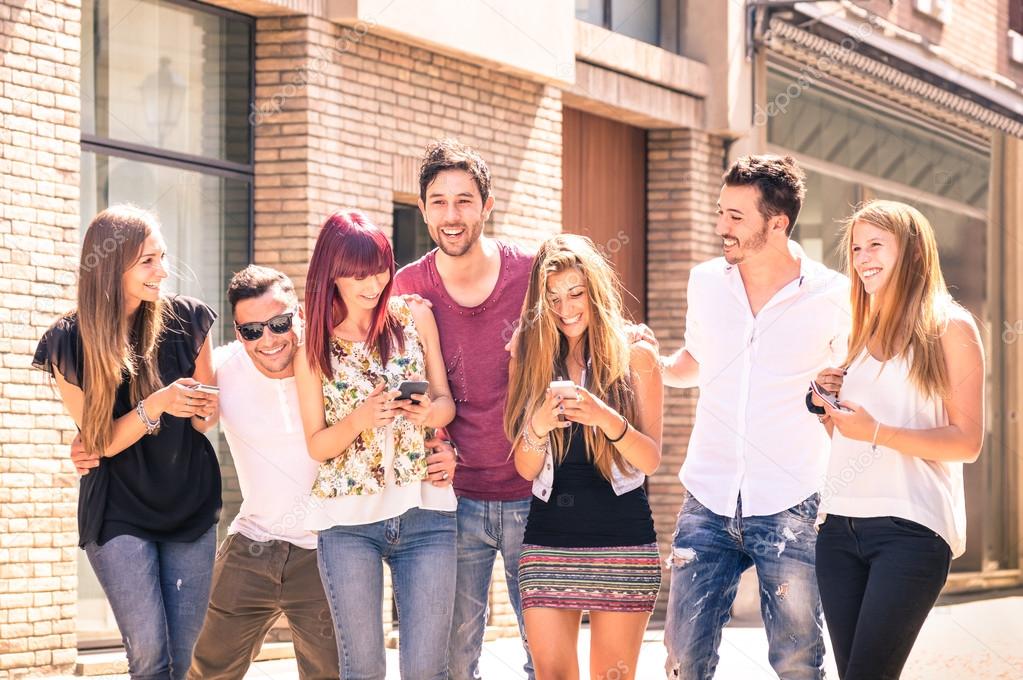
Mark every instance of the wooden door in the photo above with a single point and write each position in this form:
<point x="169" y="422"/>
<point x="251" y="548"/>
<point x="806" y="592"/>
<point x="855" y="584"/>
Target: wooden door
<point x="604" y="195"/>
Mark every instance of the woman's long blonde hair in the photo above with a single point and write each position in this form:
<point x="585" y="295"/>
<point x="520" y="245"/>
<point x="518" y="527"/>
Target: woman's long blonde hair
<point x="540" y="346"/>
<point x="113" y="344"/>
<point x="910" y="314"/>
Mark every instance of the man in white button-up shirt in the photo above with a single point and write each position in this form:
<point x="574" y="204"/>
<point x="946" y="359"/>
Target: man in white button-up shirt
<point x="761" y="322"/>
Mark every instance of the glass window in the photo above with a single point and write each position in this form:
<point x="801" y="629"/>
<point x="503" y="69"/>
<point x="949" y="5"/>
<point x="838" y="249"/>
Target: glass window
<point x="163" y="75"/>
<point x="637" y="19"/>
<point x="411" y="237"/>
<point x="166" y="93"/>
<point x="961" y="237"/>
<point x="591" y="11"/>
<point x="204" y="218"/>
<point x="839" y="131"/>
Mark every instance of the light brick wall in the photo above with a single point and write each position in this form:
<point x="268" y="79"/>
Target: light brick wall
<point x="683" y="180"/>
<point x="342" y="114"/>
<point x="39" y="227"/>
<point x="336" y="107"/>
<point x="976" y="32"/>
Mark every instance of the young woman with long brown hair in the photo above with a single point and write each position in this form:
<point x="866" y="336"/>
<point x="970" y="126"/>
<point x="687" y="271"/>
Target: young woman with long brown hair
<point x="125" y="362"/>
<point x="893" y="507"/>
<point x="589" y="542"/>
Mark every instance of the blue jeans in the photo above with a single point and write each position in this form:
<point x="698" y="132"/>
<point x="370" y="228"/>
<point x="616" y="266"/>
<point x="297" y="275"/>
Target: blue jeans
<point x="419" y="547"/>
<point x="158" y="592"/>
<point x="709" y="554"/>
<point x="484" y="529"/>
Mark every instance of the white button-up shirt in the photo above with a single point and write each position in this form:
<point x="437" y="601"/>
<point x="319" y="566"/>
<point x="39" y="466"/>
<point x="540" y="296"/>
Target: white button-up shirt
<point x="753" y="436"/>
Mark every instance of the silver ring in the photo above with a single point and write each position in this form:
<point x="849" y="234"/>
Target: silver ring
<point x="444" y="475"/>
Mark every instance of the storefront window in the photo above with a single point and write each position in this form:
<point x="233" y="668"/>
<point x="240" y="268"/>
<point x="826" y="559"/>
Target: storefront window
<point x="854" y="150"/>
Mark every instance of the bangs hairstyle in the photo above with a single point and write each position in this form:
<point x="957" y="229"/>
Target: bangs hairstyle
<point x="542" y="349"/>
<point x="349" y="246"/>
<point x="908" y="317"/>
<point x="114" y="344"/>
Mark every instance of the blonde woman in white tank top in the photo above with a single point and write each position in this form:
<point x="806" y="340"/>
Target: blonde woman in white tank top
<point x="892" y="509"/>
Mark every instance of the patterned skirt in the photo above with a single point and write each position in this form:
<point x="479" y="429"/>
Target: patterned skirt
<point x="619" y="579"/>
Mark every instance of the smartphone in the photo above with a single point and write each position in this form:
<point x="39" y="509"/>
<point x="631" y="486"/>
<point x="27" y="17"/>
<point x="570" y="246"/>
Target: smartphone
<point x="410" y="387"/>
<point x="208" y="389"/>
<point x="827" y="397"/>
<point x="565" y="388"/>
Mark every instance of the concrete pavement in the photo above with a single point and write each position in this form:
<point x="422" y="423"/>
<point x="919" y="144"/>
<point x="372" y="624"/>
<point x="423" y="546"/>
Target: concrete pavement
<point x="962" y="639"/>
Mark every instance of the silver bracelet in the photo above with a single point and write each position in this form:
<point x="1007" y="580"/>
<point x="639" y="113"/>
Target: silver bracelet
<point x="873" y="442"/>
<point x="537" y="446"/>
<point x="152" y="426"/>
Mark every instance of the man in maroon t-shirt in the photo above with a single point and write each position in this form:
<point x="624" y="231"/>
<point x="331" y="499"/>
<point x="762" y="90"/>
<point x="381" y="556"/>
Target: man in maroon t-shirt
<point x="476" y="285"/>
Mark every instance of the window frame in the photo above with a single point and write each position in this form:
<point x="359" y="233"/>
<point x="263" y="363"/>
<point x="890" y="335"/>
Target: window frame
<point x="202" y="164"/>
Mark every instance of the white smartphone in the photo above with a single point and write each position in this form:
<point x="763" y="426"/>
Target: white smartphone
<point x="566" y="388"/>
<point x="207" y="389"/>
<point x="827" y="397"/>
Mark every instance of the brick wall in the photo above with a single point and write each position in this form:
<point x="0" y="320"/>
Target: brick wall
<point x="338" y="109"/>
<point x="341" y="120"/>
<point x="683" y="180"/>
<point x="39" y="227"/>
<point x="976" y="32"/>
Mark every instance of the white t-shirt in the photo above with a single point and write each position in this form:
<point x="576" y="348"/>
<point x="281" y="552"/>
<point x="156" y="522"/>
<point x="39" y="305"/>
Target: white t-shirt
<point x="862" y="483"/>
<point x="752" y="434"/>
<point x="261" y="421"/>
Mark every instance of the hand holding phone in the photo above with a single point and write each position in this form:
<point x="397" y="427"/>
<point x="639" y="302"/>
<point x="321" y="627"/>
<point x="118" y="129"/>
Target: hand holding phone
<point x="564" y="389"/>
<point x="827" y="397"/>
<point x="409" y="387"/>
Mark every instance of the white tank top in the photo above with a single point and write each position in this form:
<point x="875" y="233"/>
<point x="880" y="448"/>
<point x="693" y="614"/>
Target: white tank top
<point x="862" y="483"/>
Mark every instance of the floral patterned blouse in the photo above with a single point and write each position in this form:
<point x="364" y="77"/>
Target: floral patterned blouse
<point x="357" y="369"/>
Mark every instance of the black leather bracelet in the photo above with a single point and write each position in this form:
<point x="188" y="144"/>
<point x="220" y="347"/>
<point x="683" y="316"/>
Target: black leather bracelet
<point x="622" y="435"/>
<point x="812" y="407"/>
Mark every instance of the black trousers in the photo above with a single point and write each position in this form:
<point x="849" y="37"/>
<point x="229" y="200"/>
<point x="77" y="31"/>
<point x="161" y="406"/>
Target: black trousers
<point x="879" y="578"/>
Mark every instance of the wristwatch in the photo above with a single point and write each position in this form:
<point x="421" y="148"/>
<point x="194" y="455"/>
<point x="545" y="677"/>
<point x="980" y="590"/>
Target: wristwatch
<point x="812" y="407"/>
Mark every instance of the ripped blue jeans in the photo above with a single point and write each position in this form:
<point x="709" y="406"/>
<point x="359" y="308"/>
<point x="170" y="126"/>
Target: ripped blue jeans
<point x="709" y="554"/>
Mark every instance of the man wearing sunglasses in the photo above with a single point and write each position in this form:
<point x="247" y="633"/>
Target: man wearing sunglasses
<point x="267" y="564"/>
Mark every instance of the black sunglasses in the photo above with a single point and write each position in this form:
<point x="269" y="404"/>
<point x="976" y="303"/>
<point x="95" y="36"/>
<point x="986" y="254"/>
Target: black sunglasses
<point x="253" y="330"/>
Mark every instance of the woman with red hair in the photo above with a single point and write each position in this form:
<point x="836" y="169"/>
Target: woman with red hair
<point x="376" y="498"/>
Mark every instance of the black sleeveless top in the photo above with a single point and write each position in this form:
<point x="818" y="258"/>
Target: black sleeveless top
<point x="583" y="510"/>
<point x="164" y="487"/>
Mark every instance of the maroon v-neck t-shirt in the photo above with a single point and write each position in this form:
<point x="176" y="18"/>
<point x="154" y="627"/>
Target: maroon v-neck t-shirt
<point x="472" y="340"/>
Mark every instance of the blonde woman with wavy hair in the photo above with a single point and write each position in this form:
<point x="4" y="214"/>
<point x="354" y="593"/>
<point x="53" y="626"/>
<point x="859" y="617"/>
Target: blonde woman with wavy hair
<point x="125" y="362"/>
<point x="587" y="446"/>
<point x="911" y="414"/>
